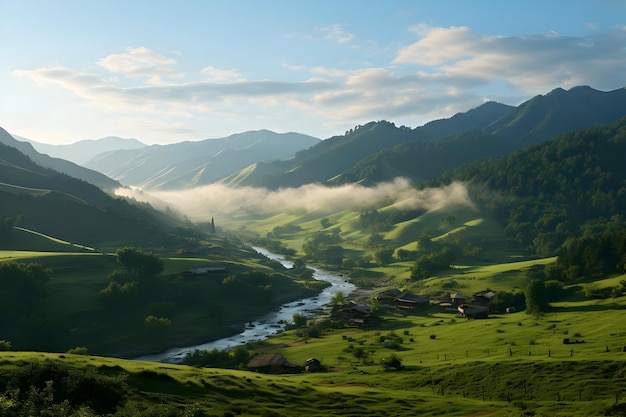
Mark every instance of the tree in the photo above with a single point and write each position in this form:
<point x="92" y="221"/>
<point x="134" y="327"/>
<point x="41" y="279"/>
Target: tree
<point x="393" y="361"/>
<point x="138" y="263"/>
<point x="333" y="255"/>
<point x="384" y="256"/>
<point x="325" y="223"/>
<point x="299" y="320"/>
<point x="536" y="297"/>
<point x="375" y="240"/>
<point x="338" y="299"/>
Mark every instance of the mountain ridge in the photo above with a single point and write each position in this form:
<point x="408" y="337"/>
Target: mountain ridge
<point x="173" y="165"/>
<point x="60" y="165"/>
<point x="366" y="153"/>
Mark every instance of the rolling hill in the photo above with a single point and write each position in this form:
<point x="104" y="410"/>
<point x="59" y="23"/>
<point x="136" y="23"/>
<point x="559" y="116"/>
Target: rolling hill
<point x="60" y="165"/>
<point x="56" y="204"/>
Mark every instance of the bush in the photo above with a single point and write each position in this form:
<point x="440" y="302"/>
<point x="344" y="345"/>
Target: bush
<point x="5" y="345"/>
<point x="153" y="322"/>
<point x="79" y="350"/>
<point x="392" y="361"/>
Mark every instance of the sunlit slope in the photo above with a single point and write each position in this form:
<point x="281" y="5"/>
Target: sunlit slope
<point x="20" y="239"/>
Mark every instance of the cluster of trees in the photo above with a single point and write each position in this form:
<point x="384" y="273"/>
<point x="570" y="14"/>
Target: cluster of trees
<point x="52" y="389"/>
<point x="438" y="256"/>
<point x="324" y="246"/>
<point x="22" y="286"/>
<point x="378" y="221"/>
<point x="601" y="250"/>
<point x="234" y="358"/>
<point x="140" y="268"/>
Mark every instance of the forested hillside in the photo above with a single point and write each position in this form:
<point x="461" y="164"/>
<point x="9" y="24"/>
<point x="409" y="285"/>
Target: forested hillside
<point x="549" y="195"/>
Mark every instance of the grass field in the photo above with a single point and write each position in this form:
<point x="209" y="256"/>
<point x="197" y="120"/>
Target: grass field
<point x="569" y="361"/>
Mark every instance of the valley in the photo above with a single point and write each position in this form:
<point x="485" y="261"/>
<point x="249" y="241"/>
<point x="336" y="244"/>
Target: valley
<point x="532" y="216"/>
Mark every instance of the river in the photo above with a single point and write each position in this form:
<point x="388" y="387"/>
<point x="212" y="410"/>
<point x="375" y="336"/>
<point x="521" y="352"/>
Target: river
<point x="271" y="323"/>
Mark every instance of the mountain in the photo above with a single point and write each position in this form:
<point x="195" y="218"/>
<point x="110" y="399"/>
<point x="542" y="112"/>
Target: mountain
<point x="189" y="164"/>
<point x="381" y="151"/>
<point x="56" y="204"/>
<point x="84" y="150"/>
<point x="59" y="165"/>
<point x="560" y="111"/>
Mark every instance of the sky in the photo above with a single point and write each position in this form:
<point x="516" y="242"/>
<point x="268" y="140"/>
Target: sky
<point x="172" y="71"/>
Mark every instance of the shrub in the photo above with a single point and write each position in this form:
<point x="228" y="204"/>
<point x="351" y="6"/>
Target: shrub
<point x="5" y="345"/>
<point x="153" y="322"/>
<point x="78" y="350"/>
<point x="392" y="361"/>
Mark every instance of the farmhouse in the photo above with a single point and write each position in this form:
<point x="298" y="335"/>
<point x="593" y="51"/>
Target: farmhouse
<point x="272" y="364"/>
<point x="457" y="299"/>
<point x="355" y="315"/>
<point x="484" y="297"/>
<point x="472" y="311"/>
<point x="411" y="301"/>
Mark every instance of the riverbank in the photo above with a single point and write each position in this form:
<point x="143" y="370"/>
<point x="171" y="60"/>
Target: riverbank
<point x="271" y="323"/>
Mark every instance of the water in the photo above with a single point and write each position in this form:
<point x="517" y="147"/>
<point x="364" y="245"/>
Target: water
<point x="271" y="323"/>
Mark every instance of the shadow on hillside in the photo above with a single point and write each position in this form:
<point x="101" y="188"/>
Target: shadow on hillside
<point x="586" y="308"/>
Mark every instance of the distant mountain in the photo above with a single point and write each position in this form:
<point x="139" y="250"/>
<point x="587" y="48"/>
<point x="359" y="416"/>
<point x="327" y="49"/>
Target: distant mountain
<point x="84" y="150"/>
<point x="67" y="208"/>
<point x="59" y="165"/>
<point x="381" y="151"/>
<point x="560" y="111"/>
<point x="189" y="164"/>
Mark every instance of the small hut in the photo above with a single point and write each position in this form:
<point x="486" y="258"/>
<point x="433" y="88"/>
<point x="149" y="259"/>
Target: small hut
<point x="272" y="364"/>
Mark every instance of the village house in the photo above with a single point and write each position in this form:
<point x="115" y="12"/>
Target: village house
<point x="411" y="301"/>
<point x="484" y="297"/>
<point x="272" y="364"/>
<point x="472" y="311"/>
<point x="457" y="299"/>
<point x="355" y="315"/>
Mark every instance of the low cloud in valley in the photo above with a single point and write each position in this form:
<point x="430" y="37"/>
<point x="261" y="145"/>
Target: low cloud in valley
<point x="203" y="202"/>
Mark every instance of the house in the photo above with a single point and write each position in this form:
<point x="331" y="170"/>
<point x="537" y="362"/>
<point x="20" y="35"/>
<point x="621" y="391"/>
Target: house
<point x="210" y="271"/>
<point x="411" y="301"/>
<point x="272" y="364"/>
<point x="457" y="299"/>
<point x="472" y="311"/>
<point x="389" y="296"/>
<point x="484" y="297"/>
<point x="355" y="315"/>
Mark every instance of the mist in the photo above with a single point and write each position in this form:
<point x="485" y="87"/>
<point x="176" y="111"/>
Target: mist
<point x="203" y="202"/>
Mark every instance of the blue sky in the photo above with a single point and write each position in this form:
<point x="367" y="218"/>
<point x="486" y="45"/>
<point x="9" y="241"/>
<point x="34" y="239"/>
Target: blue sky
<point x="166" y="71"/>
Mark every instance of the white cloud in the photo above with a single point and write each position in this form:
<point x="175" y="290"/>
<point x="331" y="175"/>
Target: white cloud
<point x="532" y="64"/>
<point x="218" y="75"/>
<point x="141" y="62"/>
<point x="444" y="71"/>
<point x="335" y="33"/>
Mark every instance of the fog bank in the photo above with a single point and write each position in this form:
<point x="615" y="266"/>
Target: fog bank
<point x="203" y="202"/>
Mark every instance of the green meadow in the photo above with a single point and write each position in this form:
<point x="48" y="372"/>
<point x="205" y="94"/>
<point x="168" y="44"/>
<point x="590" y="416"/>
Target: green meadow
<point x="568" y="361"/>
